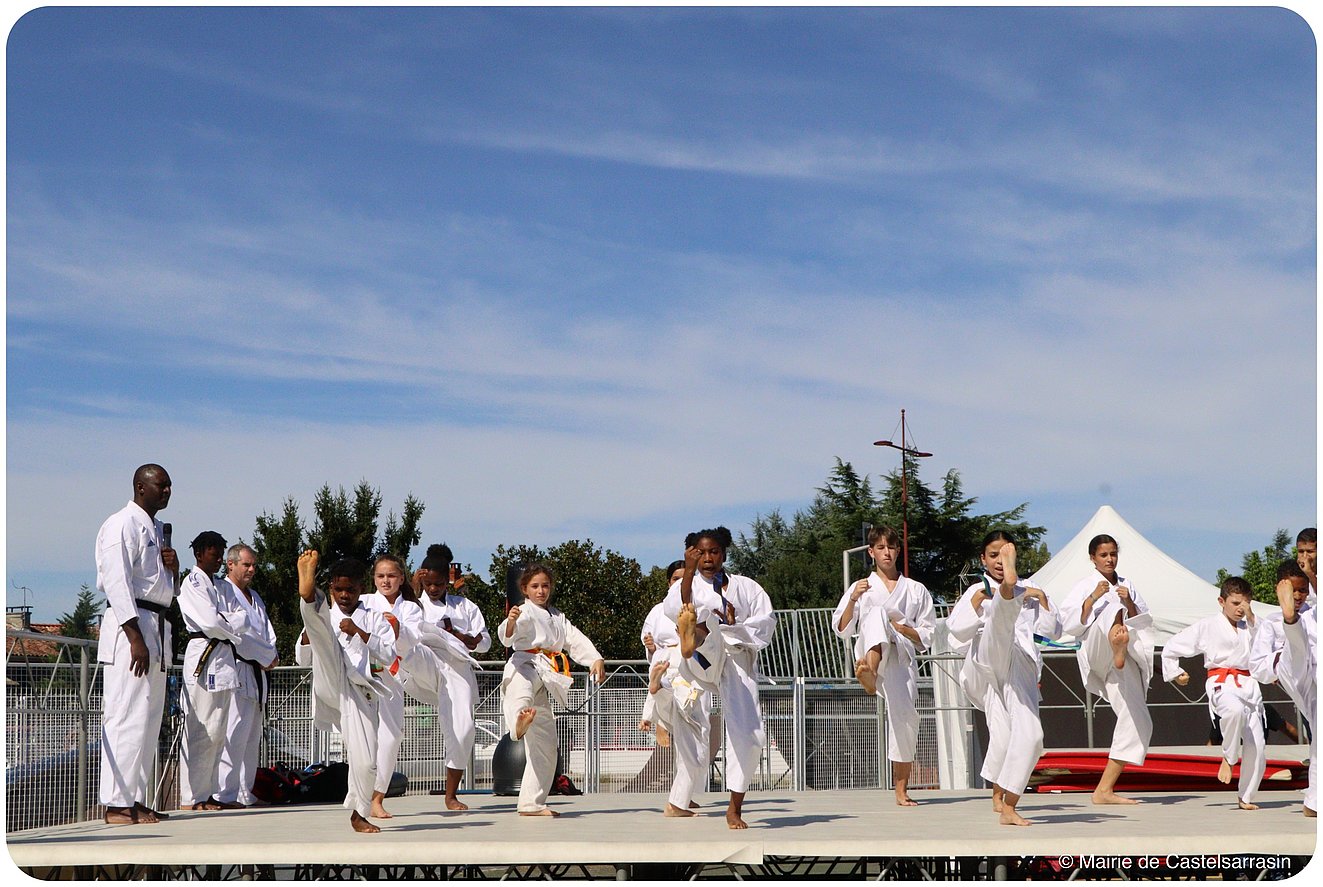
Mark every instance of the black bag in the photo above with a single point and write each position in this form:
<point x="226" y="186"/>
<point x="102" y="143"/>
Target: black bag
<point x="324" y="783"/>
<point x="275" y="785"/>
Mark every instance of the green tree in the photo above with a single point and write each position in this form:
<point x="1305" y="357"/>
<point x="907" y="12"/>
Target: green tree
<point x="1259" y="568"/>
<point x="341" y="528"/>
<point x="82" y="622"/>
<point x="599" y="590"/>
<point x="799" y="561"/>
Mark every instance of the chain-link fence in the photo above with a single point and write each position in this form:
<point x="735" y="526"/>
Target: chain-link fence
<point x="822" y="731"/>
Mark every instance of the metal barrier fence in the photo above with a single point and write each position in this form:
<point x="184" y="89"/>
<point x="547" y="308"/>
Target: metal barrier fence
<point x="822" y="731"/>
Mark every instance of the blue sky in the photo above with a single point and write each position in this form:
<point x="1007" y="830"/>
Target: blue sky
<point x="622" y="273"/>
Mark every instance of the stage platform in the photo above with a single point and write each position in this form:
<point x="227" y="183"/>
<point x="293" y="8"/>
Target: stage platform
<point x="625" y="831"/>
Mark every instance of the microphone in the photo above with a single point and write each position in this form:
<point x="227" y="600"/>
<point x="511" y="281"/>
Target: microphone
<point x="166" y="529"/>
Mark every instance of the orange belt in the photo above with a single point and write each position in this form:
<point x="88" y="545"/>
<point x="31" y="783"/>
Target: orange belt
<point x="1221" y="674"/>
<point x="394" y="666"/>
<point x="560" y="663"/>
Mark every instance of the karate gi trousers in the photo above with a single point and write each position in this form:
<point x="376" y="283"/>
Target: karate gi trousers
<point x="130" y="727"/>
<point x="359" y="708"/>
<point x="238" y="762"/>
<point x="206" y="716"/>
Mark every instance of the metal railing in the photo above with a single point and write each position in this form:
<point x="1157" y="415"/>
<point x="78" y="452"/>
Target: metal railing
<point x="822" y="731"/>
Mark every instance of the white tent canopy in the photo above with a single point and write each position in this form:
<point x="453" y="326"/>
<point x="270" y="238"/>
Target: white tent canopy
<point x="1175" y="596"/>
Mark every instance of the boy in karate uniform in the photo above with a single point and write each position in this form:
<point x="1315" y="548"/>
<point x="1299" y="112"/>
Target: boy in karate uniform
<point x="723" y="621"/>
<point x="1107" y="615"/>
<point x="994" y="624"/>
<point x="1224" y="640"/>
<point x="1284" y="652"/>
<point x="346" y="660"/>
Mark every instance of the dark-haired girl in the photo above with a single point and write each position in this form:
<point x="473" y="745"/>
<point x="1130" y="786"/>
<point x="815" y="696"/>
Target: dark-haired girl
<point x="439" y="660"/>
<point x="892" y="616"/>
<point x="1106" y="614"/>
<point x="723" y="621"/>
<point x="994" y="624"/>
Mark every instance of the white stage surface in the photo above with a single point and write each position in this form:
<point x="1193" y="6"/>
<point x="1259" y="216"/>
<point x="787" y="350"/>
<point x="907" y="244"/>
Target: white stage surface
<point x="629" y="828"/>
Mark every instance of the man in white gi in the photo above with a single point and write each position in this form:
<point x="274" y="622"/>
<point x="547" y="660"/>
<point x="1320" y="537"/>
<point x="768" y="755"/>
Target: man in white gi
<point x="137" y="571"/>
<point x="1274" y="658"/>
<point x="215" y="624"/>
<point x="1108" y="616"/>
<point x="723" y="621"/>
<point x="994" y="625"/>
<point x="256" y="653"/>
<point x="346" y="660"/>
<point x="1224" y="641"/>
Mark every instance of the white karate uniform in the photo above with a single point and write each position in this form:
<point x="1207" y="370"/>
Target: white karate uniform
<point x="530" y="681"/>
<point x="1000" y="675"/>
<point x="1125" y="689"/>
<point x="1235" y="699"/>
<point x="390" y="727"/>
<point x="727" y="662"/>
<point x="256" y="650"/>
<point x="346" y="687"/>
<point x="682" y="707"/>
<point x="438" y="670"/>
<point x="209" y="610"/>
<point x="909" y="603"/>
<point x="129" y="570"/>
<point x="1287" y="654"/>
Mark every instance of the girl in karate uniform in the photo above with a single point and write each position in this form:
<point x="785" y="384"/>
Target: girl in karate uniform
<point x="1224" y="640"/>
<point x="994" y="624"/>
<point x="349" y="645"/>
<point x="891" y="618"/>
<point x="723" y="621"/>
<point x="539" y="636"/>
<point x="438" y="660"/>
<point x="1106" y="614"/>
<point x="398" y="604"/>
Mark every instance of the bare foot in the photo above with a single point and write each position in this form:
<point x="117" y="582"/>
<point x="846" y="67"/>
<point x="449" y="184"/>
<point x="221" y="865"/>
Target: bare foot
<point x="362" y="825"/>
<point x="1119" y="637"/>
<point x="455" y="804"/>
<point x="694" y="805"/>
<point x="733" y="820"/>
<point x="545" y="811"/>
<point x="904" y="800"/>
<point x="674" y="811"/>
<point x="121" y="816"/>
<point x="1102" y="797"/>
<point x="208" y="805"/>
<point x="147" y="814"/>
<point x="308" y="577"/>
<point x="524" y="718"/>
<point x="663" y="737"/>
<point x="1224" y="772"/>
<point x="998" y="799"/>
<point x="685" y="625"/>
<point x="1010" y="817"/>
<point x="1286" y="600"/>
<point x="379" y="812"/>
<point x="1309" y="814"/>
<point x="1009" y="577"/>
<point x="866" y="676"/>
<point x="656" y="674"/>
<point x="1243" y="805"/>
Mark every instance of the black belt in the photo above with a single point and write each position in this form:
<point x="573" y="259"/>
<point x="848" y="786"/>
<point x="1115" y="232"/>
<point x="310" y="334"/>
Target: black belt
<point x="259" y="675"/>
<point x="212" y="644"/>
<point x="159" y="610"/>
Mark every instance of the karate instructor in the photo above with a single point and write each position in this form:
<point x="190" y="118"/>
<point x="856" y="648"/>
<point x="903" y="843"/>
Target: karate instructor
<point x="138" y="572"/>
